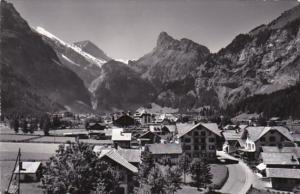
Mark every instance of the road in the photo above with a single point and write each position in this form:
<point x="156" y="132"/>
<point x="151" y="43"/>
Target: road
<point x="240" y="177"/>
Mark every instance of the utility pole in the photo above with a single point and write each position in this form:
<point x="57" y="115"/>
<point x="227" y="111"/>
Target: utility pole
<point x="20" y="168"/>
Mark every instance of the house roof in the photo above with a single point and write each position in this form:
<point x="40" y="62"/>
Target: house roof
<point x="279" y="158"/>
<point x="119" y="135"/>
<point x="28" y="167"/>
<point x="115" y="156"/>
<point x="232" y="135"/>
<point x="131" y="155"/>
<point x="245" y="116"/>
<point x="255" y="133"/>
<point x="170" y="148"/>
<point x="276" y="149"/>
<point x="283" y="173"/>
<point x="213" y="127"/>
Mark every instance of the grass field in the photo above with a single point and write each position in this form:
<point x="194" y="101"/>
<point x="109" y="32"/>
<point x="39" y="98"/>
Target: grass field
<point x="16" y="137"/>
<point x="53" y="139"/>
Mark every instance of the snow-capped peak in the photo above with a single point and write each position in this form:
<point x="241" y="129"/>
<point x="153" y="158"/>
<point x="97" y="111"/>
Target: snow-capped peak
<point x="90" y="58"/>
<point x="44" y="32"/>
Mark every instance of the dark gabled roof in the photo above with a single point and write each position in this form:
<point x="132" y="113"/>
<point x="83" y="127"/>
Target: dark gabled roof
<point x="170" y="148"/>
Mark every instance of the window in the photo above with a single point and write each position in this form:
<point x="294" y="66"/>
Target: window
<point x="211" y="139"/>
<point x="263" y="139"/>
<point x="203" y="147"/>
<point x="187" y="140"/>
<point x="211" y="147"/>
<point x="272" y="138"/>
<point x="196" y="133"/>
<point x="203" y="140"/>
<point x="196" y="140"/>
<point x="282" y="138"/>
<point x="196" y="147"/>
<point x="187" y="147"/>
<point x="196" y="155"/>
<point x="203" y="133"/>
<point x="189" y="133"/>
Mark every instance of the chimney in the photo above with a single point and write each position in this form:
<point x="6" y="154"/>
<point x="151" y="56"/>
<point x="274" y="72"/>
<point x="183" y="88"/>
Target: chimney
<point x="293" y="159"/>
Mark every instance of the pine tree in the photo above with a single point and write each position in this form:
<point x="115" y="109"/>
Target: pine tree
<point x="172" y="180"/>
<point x="201" y="174"/>
<point x="146" y="165"/>
<point x="184" y="164"/>
<point x="156" y="181"/>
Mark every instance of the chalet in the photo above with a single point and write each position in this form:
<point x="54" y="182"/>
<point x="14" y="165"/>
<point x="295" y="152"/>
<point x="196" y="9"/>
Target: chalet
<point x="201" y="140"/>
<point x="120" y="138"/>
<point x="232" y="140"/>
<point x="125" y="170"/>
<point x="149" y="138"/>
<point x="146" y="118"/>
<point x="279" y="149"/>
<point x="30" y="171"/>
<point x="283" y="179"/>
<point x="168" y="153"/>
<point x="166" y="119"/>
<point x="124" y="121"/>
<point x="279" y="160"/>
<point x="96" y="126"/>
<point x="161" y="129"/>
<point x="256" y="137"/>
<point x="245" y="118"/>
<point x="133" y="156"/>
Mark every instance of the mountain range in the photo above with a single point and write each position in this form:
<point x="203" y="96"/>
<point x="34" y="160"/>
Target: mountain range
<point x="176" y="73"/>
<point x="33" y="79"/>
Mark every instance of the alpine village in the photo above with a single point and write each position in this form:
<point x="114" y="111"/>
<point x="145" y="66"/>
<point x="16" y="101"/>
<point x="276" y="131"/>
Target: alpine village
<point x="180" y="119"/>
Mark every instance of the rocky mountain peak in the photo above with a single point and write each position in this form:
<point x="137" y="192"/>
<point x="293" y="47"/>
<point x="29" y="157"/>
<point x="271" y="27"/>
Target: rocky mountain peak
<point x="164" y="39"/>
<point x="167" y="42"/>
<point x="91" y="48"/>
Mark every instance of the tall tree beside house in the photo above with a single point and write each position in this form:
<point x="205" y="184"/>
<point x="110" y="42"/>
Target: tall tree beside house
<point x="184" y="164"/>
<point x="200" y="171"/>
<point x="147" y="163"/>
<point x="76" y="169"/>
<point x="156" y="181"/>
<point x="172" y="180"/>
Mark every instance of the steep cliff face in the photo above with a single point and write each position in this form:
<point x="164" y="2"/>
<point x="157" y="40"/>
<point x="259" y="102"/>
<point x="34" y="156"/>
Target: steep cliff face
<point x="32" y="78"/>
<point x="262" y="61"/>
<point x="119" y="87"/>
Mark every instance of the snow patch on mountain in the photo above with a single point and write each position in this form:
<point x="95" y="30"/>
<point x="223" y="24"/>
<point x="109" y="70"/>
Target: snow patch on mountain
<point x="69" y="60"/>
<point x="89" y="57"/>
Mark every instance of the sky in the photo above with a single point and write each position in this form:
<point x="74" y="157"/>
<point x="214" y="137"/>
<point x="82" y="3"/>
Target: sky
<point x="128" y="29"/>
